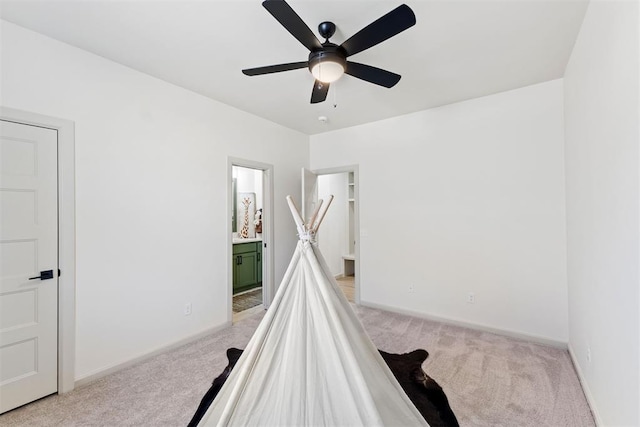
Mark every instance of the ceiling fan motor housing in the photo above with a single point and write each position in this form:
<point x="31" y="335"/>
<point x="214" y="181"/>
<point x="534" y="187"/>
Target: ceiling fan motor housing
<point x="330" y="52"/>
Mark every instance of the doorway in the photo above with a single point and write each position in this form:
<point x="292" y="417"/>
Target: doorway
<point x="338" y="238"/>
<point x="250" y="233"/>
<point x="24" y="149"/>
<point x="29" y="248"/>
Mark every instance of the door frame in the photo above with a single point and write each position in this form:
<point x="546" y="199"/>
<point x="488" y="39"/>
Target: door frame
<point x="66" y="237"/>
<point x="267" y="230"/>
<point x="356" y="219"/>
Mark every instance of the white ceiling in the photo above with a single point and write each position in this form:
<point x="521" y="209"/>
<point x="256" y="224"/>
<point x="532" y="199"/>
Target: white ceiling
<point x="457" y="50"/>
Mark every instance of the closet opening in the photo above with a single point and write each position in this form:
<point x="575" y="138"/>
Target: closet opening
<point x="338" y="238"/>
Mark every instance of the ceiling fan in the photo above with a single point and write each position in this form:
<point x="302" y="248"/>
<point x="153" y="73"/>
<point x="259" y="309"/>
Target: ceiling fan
<point x="328" y="61"/>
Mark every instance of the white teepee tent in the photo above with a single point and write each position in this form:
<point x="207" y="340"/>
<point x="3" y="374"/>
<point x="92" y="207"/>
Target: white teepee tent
<point x="310" y="362"/>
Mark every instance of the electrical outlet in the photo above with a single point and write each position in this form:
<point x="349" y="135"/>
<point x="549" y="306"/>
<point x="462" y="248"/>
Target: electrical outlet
<point x="187" y="309"/>
<point x="410" y="289"/>
<point x="471" y="298"/>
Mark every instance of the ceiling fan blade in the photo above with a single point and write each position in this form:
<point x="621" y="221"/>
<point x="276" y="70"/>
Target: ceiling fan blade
<point x="372" y="74"/>
<point x="394" y="22"/>
<point x="275" y="68"/>
<point x="292" y="22"/>
<point x="319" y="92"/>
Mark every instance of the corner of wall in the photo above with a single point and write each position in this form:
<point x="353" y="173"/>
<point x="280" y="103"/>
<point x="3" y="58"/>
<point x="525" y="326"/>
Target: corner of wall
<point x="585" y="387"/>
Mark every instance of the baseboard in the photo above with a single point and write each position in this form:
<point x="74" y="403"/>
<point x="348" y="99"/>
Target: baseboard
<point x="476" y="326"/>
<point x="585" y="387"/>
<point x="103" y="372"/>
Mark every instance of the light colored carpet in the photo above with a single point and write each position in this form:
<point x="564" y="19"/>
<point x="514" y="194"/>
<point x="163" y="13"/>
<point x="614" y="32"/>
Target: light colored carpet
<point x="490" y="380"/>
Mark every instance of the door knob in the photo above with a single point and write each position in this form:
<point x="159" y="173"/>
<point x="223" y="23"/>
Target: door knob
<point x="44" y="275"/>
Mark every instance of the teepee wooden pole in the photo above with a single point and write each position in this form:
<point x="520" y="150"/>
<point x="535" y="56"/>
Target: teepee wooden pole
<point x="297" y="218"/>
<point x="314" y="216"/>
<point x="323" y="212"/>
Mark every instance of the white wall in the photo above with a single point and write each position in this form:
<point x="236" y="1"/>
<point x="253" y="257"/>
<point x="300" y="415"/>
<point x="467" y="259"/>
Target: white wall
<point x="334" y="230"/>
<point x="464" y="198"/>
<point x="602" y="136"/>
<point x="151" y="193"/>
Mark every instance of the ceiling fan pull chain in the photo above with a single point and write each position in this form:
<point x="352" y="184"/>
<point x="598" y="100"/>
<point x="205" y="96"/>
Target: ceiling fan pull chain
<point x="335" y="96"/>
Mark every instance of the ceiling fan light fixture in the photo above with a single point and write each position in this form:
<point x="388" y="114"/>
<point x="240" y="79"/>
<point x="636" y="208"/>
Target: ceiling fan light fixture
<point x="329" y="64"/>
<point x="327" y="71"/>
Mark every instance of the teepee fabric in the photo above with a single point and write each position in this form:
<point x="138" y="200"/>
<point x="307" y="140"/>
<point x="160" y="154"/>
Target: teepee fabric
<point x="310" y="362"/>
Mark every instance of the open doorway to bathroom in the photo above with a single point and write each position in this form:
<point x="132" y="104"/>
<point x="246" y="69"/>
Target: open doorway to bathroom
<point x="248" y="236"/>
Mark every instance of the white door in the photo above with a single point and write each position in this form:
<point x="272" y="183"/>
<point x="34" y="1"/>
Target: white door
<point x="309" y="193"/>
<point x="28" y="246"/>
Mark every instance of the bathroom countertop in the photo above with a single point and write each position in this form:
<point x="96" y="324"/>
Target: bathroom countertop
<point x="253" y="239"/>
